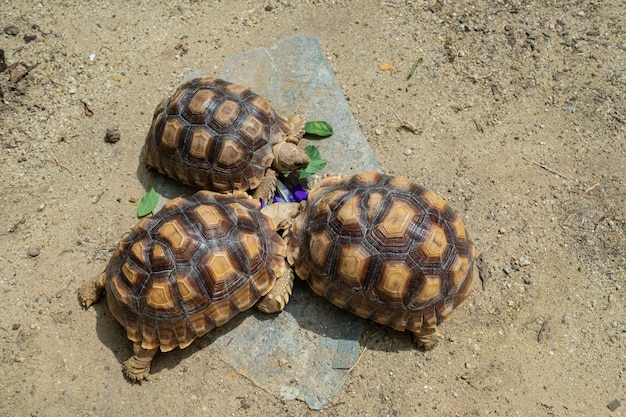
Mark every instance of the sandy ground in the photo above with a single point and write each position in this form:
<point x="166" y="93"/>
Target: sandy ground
<point x="519" y="112"/>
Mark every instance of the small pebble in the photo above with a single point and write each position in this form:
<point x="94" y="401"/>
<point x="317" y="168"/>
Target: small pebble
<point x="378" y="132"/>
<point x="15" y="326"/>
<point x="112" y="135"/>
<point x="506" y="270"/>
<point x="41" y="207"/>
<point x="33" y="251"/>
<point x="407" y="152"/>
<point x="11" y="30"/>
<point x="613" y="405"/>
<point x="502" y="230"/>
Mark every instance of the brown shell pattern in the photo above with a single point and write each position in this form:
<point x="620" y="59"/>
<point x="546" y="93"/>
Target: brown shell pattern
<point x="385" y="249"/>
<point x="214" y="135"/>
<point x="191" y="267"/>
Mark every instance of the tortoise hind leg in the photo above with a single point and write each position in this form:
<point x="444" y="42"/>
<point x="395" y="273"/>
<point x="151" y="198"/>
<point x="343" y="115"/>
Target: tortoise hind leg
<point x="426" y="338"/>
<point x="92" y="290"/>
<point x="137" y="368"/>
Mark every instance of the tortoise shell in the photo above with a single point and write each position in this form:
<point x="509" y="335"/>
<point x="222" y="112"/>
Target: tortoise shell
<point x="216" y="135"/>
<point x="193" y="266"/>
<point x="385" y="249"/>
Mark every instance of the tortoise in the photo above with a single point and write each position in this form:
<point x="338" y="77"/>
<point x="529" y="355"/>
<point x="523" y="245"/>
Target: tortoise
<point x="220" y="136"/>
<point x="385" y="249"/>
<point x="191" y="267"/>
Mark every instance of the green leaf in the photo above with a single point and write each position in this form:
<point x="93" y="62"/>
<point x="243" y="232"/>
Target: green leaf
<point x="147" y="203"/>
<point x="314" y="167"/>
<point x="312" y="152"/>
<point x="316" y="164"/>
<point x="318" y="128"/>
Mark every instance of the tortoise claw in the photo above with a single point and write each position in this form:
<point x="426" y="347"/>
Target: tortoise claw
<point x="275" y="300"/>
<point x="92" y="290"/>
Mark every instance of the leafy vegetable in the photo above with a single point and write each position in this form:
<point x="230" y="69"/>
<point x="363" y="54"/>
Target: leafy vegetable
<point x="147" y="203"/>
<point x="312" y="152"/>
<point x="318" y="128"/>
<point x="316" y="164"/>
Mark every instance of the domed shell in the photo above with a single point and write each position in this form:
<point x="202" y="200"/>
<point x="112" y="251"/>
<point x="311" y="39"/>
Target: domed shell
<point x="191" y="267"/>
<point x="214" y="135"/>
<point x="385" y="249"/>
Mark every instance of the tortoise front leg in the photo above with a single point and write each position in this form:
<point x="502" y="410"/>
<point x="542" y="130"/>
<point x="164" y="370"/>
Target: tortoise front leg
<point x="137" y="368"/>
<point x="92" y="290"/>
<point x="267" y="187"/>
<point x="275" y="300"/>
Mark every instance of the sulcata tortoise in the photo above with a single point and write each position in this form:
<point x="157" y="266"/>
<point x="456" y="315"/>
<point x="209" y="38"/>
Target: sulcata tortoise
<point x="385" y="249"/>
<point x="220" y="136"/>
<point x="191" y="267"/>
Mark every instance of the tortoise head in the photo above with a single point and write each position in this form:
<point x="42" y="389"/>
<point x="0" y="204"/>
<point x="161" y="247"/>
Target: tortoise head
<point x="289" y="157"/>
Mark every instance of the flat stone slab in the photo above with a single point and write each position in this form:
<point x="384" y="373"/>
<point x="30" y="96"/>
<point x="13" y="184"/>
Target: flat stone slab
<point x="296" y="77"/>
<point x="306" y="351"/>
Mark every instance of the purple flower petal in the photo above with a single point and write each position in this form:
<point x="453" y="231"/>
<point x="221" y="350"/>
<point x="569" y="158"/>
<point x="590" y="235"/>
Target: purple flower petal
<point x="299" y="193"/>
<point x="262" y="203"/>
<point x="278" y="199"/>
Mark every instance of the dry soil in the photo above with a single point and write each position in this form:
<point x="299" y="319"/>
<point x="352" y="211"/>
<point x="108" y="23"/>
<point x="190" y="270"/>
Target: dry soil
<point x="516" y="114"/>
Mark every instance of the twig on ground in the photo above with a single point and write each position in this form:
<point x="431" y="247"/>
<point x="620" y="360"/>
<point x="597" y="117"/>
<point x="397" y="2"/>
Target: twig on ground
<point x="591" y="188"/>
<point x="547" y="168"/>
<point x="373" y="339"/>
<point x="545" y="327"/>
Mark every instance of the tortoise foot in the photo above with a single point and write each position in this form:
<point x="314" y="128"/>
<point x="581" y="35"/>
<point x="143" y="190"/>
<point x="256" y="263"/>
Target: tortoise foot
<point x="137" y="368"/>
<point x="426" y="339"/>
<point x="275" y="300"/>
<point x="92" y="290"/>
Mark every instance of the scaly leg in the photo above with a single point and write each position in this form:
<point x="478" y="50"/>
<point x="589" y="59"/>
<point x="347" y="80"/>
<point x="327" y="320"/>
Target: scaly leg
<point x="92" y="289"/>
<point x="267" y="187"/>
<point x="275" y="300"/>
<point x="137" y="368"/>
<point x="426" y="338"/>
<point x="297" y="123"/>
